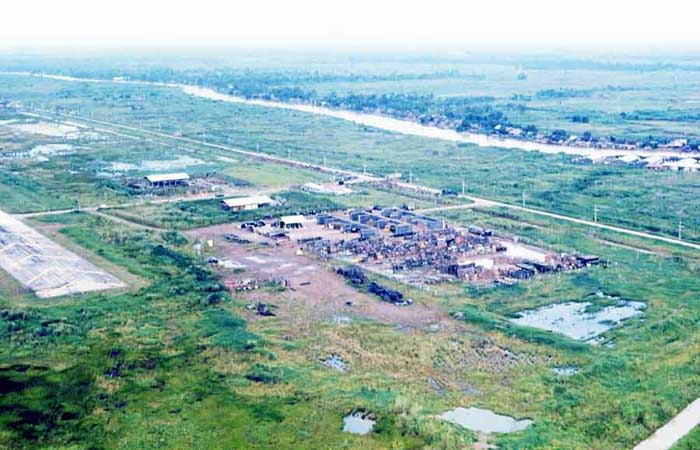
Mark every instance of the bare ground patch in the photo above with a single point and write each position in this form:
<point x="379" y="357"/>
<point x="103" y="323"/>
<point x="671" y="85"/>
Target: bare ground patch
<point x="314" y="291"/>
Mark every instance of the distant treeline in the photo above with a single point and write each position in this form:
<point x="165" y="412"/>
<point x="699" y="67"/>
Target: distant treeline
<point x="462" y="113"/>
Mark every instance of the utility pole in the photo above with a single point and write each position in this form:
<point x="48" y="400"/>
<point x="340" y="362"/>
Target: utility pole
<point x="257" y="148"/>
<point x="324" y="161"/>
<point x="595" y="213"/>
<point x="289" y="153"/>
<point x="463" y="187"/>
<point x="680" y="230"/>
<point x="523" y="199"/>
<point x="364" y="170"/>
<point x="410" y="176"/>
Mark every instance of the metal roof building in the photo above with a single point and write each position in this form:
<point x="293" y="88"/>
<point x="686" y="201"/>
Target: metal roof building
<point x="167" y="178"/>
<point x="246" y="203"/>
<point x="296" y="221"/>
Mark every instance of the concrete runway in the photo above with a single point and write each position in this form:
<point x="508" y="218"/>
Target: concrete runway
<point x="45" y="267"/>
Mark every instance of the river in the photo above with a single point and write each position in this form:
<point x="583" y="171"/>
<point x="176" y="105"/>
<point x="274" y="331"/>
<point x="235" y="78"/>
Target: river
<point x="386" y="123"/>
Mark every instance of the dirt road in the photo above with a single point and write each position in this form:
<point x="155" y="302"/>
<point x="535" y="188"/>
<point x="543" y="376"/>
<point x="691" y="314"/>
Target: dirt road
<point x="369" y="177"/>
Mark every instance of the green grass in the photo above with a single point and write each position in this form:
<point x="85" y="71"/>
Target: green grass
<point x="170" y="365"/>
<point x="691" y="441"/>
<point x="630" y="197"/>
<point x="193" y="214"/>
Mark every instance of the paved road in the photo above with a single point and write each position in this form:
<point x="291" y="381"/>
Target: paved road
<point x="662" y="439"/>
<point x="480" y="203"/>
<point x="666" y="437"/>
<point x="589" y="223"/>
<point x="369" y="177"/>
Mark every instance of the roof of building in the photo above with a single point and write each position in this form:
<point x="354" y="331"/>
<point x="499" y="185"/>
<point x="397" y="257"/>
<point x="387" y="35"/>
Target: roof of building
<point x="326" y="189"/>
<point x="654" y="159"/>
<point x="163" y="177"/>
<point x="629" y="158"/>
<point x="298" y="218"/>
<point x="684" y="163"/>
<point x="244" y="201"/>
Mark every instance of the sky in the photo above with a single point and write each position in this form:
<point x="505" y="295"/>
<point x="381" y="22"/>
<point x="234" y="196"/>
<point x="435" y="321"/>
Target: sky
<point x="351" y="24"/>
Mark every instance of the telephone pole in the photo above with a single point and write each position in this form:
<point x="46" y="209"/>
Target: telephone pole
<point x="523" y="199"/>
<point x="595" y="213"/>
<point x="680" y="230"/>
<point x="463" y="187"/>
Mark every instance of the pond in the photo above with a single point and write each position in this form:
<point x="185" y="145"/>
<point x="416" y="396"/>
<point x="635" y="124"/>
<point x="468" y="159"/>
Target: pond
<point x="579" y="320"/>
<point x="358" y="423"/>
<point x="565" y="371"/>
<point x="335" y="362"/>
<point x="484" y="420"/>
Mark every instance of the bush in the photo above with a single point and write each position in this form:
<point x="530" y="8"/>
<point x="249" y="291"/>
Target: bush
<point x="262" y="373"/>
<point x="227" y="330"/>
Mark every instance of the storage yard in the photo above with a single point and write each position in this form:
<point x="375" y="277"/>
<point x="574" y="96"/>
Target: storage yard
<point x="45" y="267"/>
<point x="258" y="266"/>
<point x="363" y="263"/>
<point x="419" y="249"/>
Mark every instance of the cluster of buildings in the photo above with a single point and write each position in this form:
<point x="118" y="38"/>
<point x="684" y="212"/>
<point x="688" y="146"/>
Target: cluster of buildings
<point x="10" y="104"/>
<point x="654" y="162"/>
<point x="419" y="249"/>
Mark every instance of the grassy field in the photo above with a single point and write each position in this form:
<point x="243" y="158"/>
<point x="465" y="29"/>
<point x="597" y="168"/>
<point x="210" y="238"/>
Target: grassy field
<point x="599" y="94"/>
<point x="119" y="357"/>
<point x="195" y="214"/>
<point x="178" y="362"/>
<point x="691" y="441"/>
<point x="630" y="197"/>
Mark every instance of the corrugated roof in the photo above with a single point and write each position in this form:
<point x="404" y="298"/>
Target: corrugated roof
<point x="293" y="219"/>
<point x="687" y="163"/>
<point x="243" y="201"/>
<point x="628" y="158"/>
<point x="159" y="178"/>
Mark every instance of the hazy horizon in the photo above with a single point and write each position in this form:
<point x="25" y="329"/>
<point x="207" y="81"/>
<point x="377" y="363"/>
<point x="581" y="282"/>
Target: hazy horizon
<point x="595" y="27"/>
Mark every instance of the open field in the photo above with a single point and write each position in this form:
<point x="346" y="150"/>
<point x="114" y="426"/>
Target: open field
<point x="258" y="343"/>
<point x="405" y="375"/>
<point x="640" y="199"/>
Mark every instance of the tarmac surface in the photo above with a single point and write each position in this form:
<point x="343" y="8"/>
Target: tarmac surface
<point x="45" y="267"/>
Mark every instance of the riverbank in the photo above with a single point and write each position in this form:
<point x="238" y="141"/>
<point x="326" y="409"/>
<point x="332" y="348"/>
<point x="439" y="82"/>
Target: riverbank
<point x="388" y="123"/>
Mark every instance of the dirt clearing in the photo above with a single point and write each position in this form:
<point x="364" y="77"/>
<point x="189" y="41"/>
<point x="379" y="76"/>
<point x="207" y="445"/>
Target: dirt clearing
<point x="313" y="292"/>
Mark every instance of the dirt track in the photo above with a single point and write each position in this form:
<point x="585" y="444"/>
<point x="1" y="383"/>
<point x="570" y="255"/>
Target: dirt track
<point x="315" y="293"/>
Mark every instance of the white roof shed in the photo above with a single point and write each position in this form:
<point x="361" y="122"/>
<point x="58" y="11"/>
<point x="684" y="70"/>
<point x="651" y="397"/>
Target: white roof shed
<point x="167" y="177"/>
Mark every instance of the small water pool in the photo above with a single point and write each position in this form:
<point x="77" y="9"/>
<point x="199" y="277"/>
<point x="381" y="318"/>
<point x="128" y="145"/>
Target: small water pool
<point x="484" y="420"/>
<point x="579" y="320"/>
<point x="358" y="423"/>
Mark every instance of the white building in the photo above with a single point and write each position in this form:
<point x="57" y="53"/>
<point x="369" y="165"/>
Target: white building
<point x="684" y="165"/>
<point x="629" y="159"/>
<point x="329" y="189"/>
<point x="246" y="203"/>
<point x="296" y="221"/>
<point x="168" y="179"/>
<point x="678" y="143"/>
